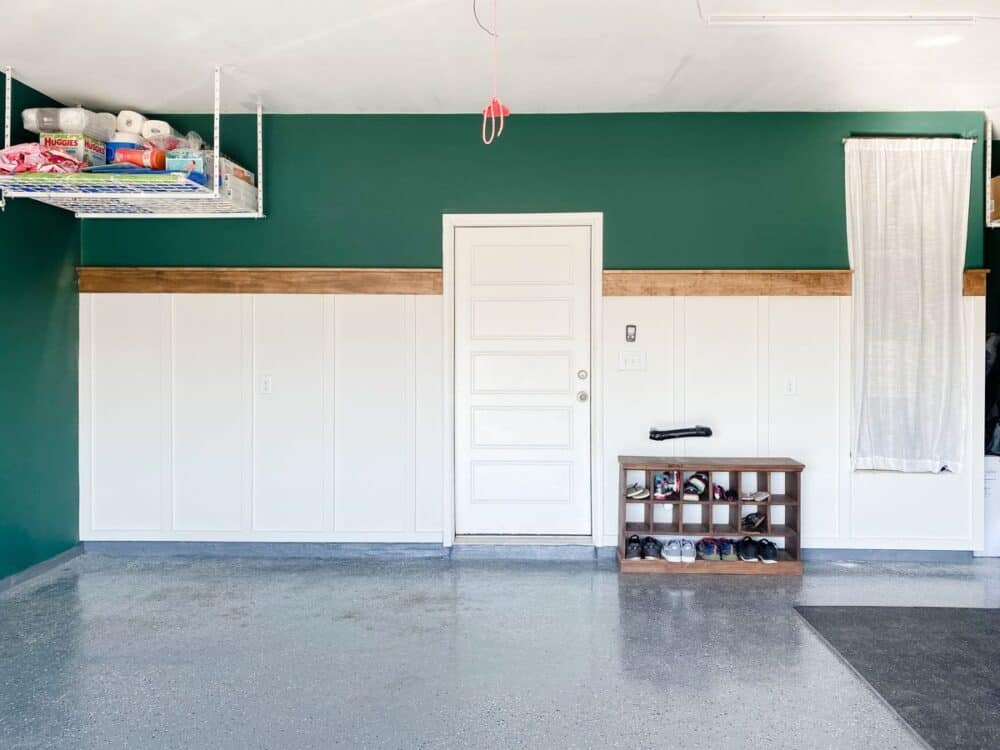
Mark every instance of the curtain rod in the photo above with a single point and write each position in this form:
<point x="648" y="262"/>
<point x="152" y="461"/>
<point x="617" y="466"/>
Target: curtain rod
<point x="870" y="136"/>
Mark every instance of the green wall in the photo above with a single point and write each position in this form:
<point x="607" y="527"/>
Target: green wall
<point x="687" y="190"/>
<point x="39" y="488"/>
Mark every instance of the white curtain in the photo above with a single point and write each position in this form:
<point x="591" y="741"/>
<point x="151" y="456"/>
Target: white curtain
<point x="907" y="221"/>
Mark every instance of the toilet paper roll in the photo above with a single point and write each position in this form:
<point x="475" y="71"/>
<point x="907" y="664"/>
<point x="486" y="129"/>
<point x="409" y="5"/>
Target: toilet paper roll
<point x="127" y="137"/>
<point x="130" y="122"/>
<point x="157" y="127"/>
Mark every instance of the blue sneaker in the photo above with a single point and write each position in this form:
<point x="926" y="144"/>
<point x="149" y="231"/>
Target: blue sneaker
<point x="727" y="550"/>
<point x="708" y="549"/>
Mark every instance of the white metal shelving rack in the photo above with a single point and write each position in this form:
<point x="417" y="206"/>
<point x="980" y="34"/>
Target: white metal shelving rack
<point x="144" y="196"/>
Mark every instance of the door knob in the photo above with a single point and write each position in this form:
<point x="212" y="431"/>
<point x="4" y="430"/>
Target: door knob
<point x="581" y="396"/>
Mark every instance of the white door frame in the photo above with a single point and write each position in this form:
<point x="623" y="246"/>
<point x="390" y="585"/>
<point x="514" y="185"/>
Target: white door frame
<point x="451" y="222"/>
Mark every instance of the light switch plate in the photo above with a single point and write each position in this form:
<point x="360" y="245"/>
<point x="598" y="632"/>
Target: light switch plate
<point x="632" y="361"/>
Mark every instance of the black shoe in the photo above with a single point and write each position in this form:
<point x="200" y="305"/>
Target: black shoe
<point x="767" y="552"/>
<point x="633" y="548"/>
<point x="753" y="521"/>
<point x="746" y="548"/>
<point x="651" y="549"/>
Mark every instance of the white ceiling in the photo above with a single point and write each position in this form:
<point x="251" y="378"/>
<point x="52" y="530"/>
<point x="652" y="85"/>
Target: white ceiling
<point x="428" y="56"/>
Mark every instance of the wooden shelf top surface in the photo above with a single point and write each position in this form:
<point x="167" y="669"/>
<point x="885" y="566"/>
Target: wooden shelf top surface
<point x="716" y="463"/>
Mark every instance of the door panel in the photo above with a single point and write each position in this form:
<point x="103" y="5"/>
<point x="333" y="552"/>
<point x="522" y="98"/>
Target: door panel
<point x="522" y="368"/>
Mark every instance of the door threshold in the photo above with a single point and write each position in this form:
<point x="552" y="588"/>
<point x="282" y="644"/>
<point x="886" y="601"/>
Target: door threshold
<point x="521" y="539"/>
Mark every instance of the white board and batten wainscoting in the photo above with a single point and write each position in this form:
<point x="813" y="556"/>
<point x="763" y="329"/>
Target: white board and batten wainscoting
<point x="265" y="417"/>
<point x="324" y="417"/>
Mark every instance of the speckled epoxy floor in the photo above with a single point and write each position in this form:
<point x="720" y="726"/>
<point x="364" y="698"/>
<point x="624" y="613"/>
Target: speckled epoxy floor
<point x="246" y="653"/>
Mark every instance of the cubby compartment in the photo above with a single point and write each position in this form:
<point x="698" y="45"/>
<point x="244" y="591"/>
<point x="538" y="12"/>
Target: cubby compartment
<point x="708" y="516"/>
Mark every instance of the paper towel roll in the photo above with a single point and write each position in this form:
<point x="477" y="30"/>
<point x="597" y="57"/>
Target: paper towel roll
<point x="73" y="119"/>
<point x="123" y="137"/>
<point x="157" y="127"/>
<point x="30" y="119"/>
<point x="130" y="122"/>
<point x="103" y="126"/>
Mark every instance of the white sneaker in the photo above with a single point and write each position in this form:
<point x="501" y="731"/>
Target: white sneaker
<point x="688" y="554"/>
<point x="671" y="551"/>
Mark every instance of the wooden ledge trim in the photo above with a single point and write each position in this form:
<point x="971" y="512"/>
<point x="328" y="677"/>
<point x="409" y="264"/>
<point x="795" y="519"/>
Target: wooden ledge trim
<point x="638" y="283"/>
<point x="820" y="283"/>
<point x="974" y="282"/>
<point x="260" y="280"/>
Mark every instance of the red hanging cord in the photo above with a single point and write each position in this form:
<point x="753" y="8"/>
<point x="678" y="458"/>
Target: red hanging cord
<point x="495" y="108"/>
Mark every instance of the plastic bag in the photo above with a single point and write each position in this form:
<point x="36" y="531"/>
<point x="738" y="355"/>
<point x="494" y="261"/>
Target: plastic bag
<point x="33" y="157"/>
<point x="97" y="125"/>
<point x="192" y="141"/>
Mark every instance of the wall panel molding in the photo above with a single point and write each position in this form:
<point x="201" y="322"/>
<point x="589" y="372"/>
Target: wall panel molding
<point x="617" y="283"/>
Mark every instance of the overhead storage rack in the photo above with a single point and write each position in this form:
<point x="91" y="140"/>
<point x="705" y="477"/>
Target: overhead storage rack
<point x="170" y="195"/>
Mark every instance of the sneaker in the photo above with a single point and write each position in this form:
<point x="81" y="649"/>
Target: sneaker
<point x="665" y="485"/>
<point x="767" y="552"/>
<point x="651" y="548"/>
<point x="753" y="522"/>
<point x="708" y="549"/>
<point x="687" y="551"/>
<point x="727" y="550"/>
<point x="718" y="492"/>
<point x="660" y="486"/>
<point x="636" y="492"/>
<point x="633" y="548"/>
<point x="746" y="549"/>
<point x="695" y="486"/>
<point x="754" y="497"/>
<point x="672" y="551"/>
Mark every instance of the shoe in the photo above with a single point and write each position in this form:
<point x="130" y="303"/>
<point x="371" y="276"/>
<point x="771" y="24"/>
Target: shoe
<point x="660" y="486"/>
<point x="746" y="549"/>
<point x="754" y="497"/>
<point x="727" y="550"/>
<point x="651" y="548"/>
<point x="666" y="485"/>
<point x="718" y="492"/>
<point x="708" y="549"/>
<point x="633" y="548"/>
<point x="753" y="522"/>
<point x="695" y="486"/>
<point x="675" y="483"/>
<point x="636" y="492"/>
<point x="767" y="552"/>
<point x="687" y="551"/>
<point x="731" y="495"/>
<point x="672" y="551"/>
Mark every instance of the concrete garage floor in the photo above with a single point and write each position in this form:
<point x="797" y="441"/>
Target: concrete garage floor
<point x="109" y="652"/>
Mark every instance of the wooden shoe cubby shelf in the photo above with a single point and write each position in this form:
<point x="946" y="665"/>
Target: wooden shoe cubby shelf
<point x="781" y="478"/>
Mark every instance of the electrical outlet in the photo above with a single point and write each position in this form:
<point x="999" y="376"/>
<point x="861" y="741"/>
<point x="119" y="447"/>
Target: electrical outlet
<point x="791" y="386"/>
<point x="266" y="385"/>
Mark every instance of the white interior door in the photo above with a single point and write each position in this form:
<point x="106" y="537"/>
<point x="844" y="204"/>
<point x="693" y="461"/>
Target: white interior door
<point x="522" y="380"/>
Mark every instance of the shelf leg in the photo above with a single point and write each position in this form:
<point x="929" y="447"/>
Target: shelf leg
<point x="215" y="131"/>
<point x="260" y="160"/>
<point x="8" y="75"/>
